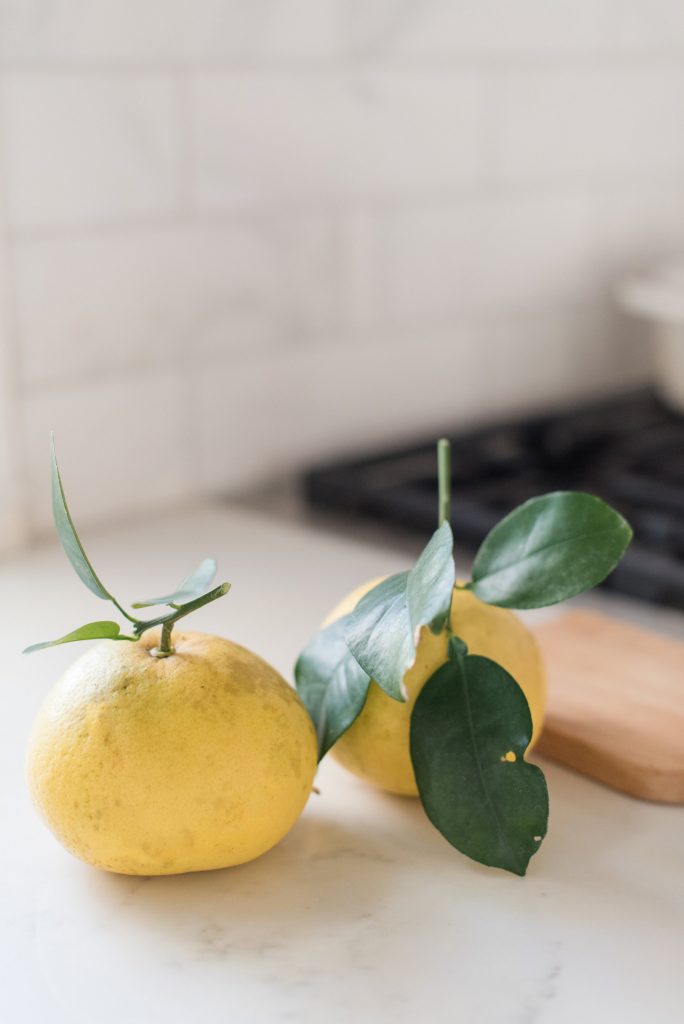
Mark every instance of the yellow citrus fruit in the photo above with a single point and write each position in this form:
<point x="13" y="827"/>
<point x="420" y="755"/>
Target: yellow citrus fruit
<point x="376" y="747"/>
<point x="152" y="766"/>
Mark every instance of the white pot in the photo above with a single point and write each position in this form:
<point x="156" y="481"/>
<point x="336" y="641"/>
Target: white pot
<point x="659" y="298"/>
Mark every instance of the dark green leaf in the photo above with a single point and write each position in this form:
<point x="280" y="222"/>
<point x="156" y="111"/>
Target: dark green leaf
<point x="192" y="586"/>
<point x="331" y="683"/>
<point x="549" y="549"/>
<point x="91" y="631"/>
<point x="468" y="717"/>
<point x="384" y="627"/>
<point x="69" y="538"/>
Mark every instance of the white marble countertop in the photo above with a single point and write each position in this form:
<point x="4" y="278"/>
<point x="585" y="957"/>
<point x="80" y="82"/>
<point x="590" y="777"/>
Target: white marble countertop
<point x="363" y="913"/>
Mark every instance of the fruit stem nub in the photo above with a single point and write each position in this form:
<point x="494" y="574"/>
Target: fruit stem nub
<point x="444" y="480"/>
<point x="165" y="648"/>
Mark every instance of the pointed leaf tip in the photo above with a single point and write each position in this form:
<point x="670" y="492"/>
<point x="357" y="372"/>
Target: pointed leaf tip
<point x="470" y="728"/>
<point x="331" y="683"/>
<point x="194" y="584"/>
<point x="384" y="628"/>
<point x="69" y="539"/>
<point x="102" y="630"/>
<point x="549" y="549"/>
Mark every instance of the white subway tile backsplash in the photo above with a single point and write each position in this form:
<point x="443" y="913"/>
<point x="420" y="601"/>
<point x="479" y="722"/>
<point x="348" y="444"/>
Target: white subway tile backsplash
<point x="89" y="304"/>
<point x="637" y="227"/>
<point x="272" y="138"/>
<point x="252" y="421"/>
<point x="395" y="385"/>
<point x="471" y="27"/>
<point x="561" y="356"/>
<point x="122" y="442"/>
<point x="336" y="397"/>
<point x="646" y="25"/>
<point x="559" y="124"/>
<point x="363" y="234"/>
<point x="503" y="254"/>
<point x="13" y="529"/>
<point x="189" y="31"/>
<point x="398" y="386"/>
<point x="167" y="30"/>
<point x="84" y="148"/>
<point x="308" y="270"/>
<point x="261" y="29"/>
<point x="245" y="235"/>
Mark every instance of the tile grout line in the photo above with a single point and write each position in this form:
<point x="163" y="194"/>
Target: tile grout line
<point x="185" y="149"/>
<point x="14" y="392"/>
<point x="398" y="330"/>
<point x="187" y="174"/>
<point x="492" y="189"/>
<point x="348" y="62"/>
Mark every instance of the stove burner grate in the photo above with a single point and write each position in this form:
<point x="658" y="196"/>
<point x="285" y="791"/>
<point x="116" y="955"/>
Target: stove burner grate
<point x="629" y="451"/>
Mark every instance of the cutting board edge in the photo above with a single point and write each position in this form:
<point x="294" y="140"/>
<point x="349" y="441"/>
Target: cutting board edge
<point x="567" y="743"/>
<point x="658" y="786"/>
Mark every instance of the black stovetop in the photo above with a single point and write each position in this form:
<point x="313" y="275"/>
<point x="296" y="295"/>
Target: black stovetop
<point x="629" y="451"/>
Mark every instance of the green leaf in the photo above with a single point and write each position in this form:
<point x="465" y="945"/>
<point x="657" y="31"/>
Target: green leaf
<point x="91" y="631"/>
<point x="192" y="586"/>
<point x="468" y="717"/>
<point x="384" y="628"/>
<point x="331" y="683"/>
<point x="549" y="549"/>
<point x="69" y="538"/>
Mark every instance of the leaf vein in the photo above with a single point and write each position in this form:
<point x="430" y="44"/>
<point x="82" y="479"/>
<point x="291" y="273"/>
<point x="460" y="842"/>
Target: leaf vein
<point x="478" y="763"/>
<point x="544" y="547"/>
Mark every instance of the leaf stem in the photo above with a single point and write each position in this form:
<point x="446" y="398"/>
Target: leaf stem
<point x="444" y="500"/>
<point x="444" y="480"/>
<point x="75" y="552"/>
<point x="167" y="622"/>
<point x="131" y="618"/>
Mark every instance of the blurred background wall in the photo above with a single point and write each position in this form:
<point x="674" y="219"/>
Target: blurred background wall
<point x="236" y="236"/>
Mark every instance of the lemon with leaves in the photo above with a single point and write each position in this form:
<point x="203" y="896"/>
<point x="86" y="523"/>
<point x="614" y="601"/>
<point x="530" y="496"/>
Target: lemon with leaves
<point x="376" y="746"/>
<point x="423" y="685"/>
<point x="160" y="752"/>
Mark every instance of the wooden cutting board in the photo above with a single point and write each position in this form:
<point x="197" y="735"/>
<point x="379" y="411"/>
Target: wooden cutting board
<point x="616" y="704"/>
